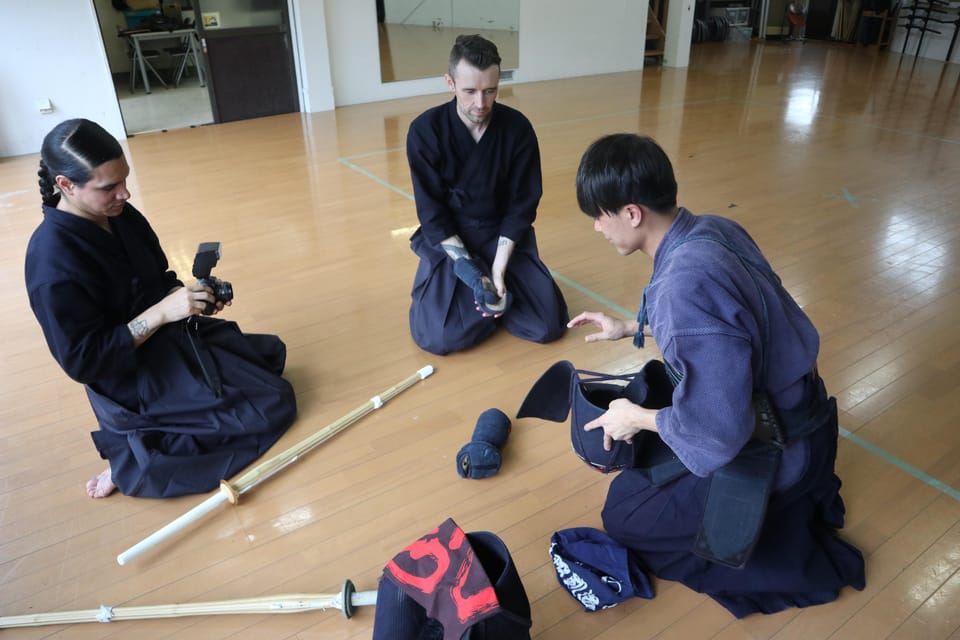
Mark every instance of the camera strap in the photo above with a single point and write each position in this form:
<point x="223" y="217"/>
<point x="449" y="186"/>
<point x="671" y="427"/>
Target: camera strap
<point x="208" y="367"/>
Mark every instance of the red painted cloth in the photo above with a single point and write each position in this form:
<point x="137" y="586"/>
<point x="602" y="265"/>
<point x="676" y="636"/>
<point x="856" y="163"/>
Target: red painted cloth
<point x="440" y="571"/>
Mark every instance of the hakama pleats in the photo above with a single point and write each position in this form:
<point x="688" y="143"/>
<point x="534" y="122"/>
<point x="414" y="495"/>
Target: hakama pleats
<point x="798" y="561"/>
<point x="444" y="318"/>
<point x="184" y="438"/>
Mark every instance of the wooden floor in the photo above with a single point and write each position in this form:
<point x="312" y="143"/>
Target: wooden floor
<point x="843" y="164"/>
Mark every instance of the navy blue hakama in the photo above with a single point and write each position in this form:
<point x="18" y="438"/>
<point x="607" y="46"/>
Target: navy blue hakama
<point x="798" y="561"/>
<point x="443" y="316"/>
<point x="192" y="405"/>
<point x="185" y="438"/>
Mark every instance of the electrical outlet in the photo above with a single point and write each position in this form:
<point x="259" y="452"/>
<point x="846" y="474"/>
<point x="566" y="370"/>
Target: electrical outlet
<point x="44" y="105"/>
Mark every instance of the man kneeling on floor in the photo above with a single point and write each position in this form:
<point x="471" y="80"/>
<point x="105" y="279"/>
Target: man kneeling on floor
<point x="738" y="498"/>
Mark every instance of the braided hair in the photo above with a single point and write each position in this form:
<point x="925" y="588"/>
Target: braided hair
<point x="73" y="149"/>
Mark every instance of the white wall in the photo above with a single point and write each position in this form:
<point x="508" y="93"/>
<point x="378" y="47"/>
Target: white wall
<point x="355" y="57"/>
<point x="313" y="55"/>
<point x="489" y="14"/>
<point x="568" y="39"/>
<point x="558" y="39"/>
<point x="679" y="32"/>
<point x="51" y="49"/>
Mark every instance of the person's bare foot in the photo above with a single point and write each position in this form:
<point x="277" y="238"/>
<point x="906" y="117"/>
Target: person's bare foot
<point x="101" y="486"/>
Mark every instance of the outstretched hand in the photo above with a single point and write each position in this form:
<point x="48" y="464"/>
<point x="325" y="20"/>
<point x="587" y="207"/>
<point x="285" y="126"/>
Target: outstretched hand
<point x="610" y="328"/>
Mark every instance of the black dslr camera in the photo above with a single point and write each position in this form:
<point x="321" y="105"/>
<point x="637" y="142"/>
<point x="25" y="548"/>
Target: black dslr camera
<point x="206" y="259"/>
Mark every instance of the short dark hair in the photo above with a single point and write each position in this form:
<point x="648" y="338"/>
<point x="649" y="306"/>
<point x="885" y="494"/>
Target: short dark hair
<point x="475" y="49"/>
<point x="625" y="168"/>
<point x="73" y="149"/>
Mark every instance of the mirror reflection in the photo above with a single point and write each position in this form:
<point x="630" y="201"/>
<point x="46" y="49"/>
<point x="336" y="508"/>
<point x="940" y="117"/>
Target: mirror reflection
<point x="156" y="64"/>
<point x="416" y="35"/>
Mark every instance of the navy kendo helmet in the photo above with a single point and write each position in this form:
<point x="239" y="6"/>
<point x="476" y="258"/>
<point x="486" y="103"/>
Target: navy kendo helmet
<point x="585" y="395"/>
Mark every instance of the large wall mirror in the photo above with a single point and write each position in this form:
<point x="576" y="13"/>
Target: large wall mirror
<point x="416" y="35"/>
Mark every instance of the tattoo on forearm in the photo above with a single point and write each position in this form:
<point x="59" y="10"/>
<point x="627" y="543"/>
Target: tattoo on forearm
<point x="454" y="251"/>
<point x="504" y="242"/>
<point x="138" y="328"/>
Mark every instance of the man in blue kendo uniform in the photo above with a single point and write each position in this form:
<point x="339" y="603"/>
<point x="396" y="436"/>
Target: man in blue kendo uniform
<point x="737" y="350"/>
<point x="475" y="167"/>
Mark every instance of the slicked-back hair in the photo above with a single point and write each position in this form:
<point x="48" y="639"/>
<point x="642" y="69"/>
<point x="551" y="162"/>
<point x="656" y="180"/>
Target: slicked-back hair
<point x="73" y="149"/>
<point x="476" y="50"/>
<point x="625" y="168"/>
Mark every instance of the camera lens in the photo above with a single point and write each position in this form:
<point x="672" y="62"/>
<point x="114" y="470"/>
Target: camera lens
<point x="224" y="291"/>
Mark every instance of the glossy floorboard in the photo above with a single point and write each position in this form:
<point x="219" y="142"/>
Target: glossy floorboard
<point x="841" y="162"/>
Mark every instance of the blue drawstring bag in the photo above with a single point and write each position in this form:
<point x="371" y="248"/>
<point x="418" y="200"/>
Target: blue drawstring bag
<point x="595" y="569"/>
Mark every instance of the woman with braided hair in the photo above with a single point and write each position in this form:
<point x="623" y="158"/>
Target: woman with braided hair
<point x="182" y="400"/>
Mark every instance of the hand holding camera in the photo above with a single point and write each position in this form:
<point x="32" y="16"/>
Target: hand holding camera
<point x="208" y="253"/>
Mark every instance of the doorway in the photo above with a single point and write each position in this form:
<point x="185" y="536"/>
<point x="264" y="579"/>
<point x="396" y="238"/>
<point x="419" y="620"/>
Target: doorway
<point x="249" y="49"/>
<point x="175" y="100"/>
